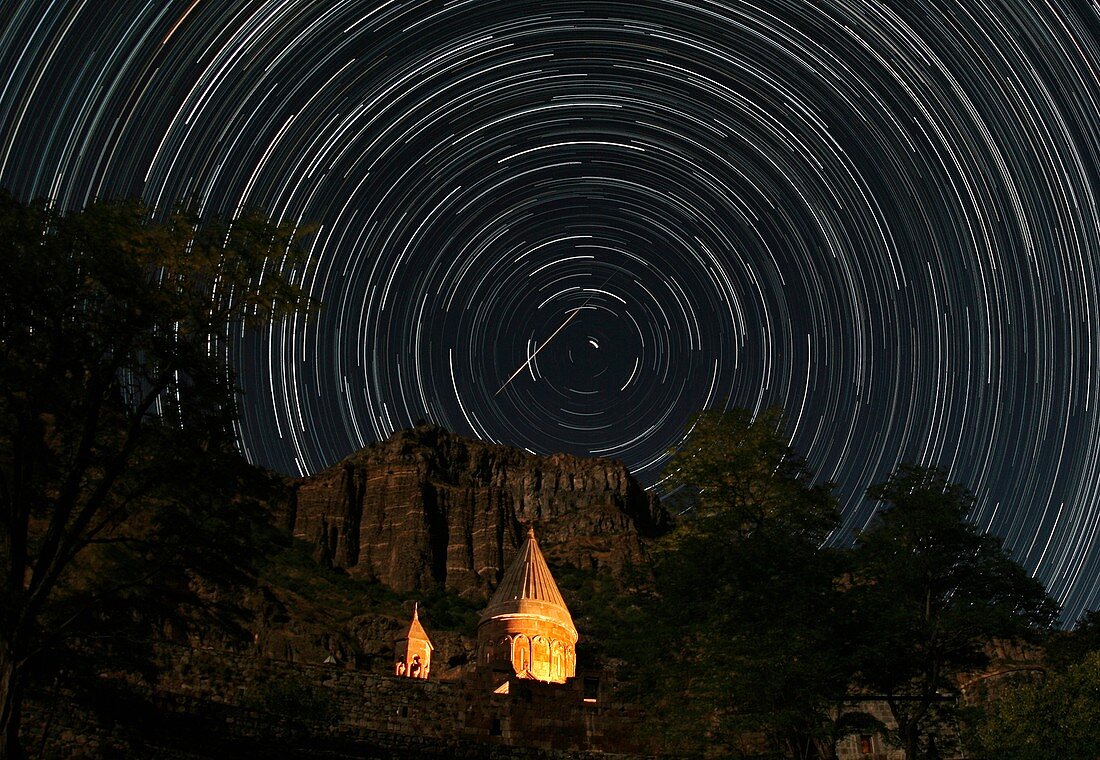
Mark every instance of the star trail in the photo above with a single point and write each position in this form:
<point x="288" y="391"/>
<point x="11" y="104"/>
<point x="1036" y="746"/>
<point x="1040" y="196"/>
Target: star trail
<point x="881" y="216"/>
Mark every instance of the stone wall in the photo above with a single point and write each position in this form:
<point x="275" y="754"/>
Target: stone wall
<point x="209" y="703"/>
<point x="869" y="746"/>
<point x="874" y="747"/>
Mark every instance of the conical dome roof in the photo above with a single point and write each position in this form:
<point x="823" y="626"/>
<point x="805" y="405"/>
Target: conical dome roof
<point x="416" y="630"/>
<point x="528" y="589"/>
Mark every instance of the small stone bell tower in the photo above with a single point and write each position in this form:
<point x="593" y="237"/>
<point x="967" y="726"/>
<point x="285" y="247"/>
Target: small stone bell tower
<point x="413" y="652"/>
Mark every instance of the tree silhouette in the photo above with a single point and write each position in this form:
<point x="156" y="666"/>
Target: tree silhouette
<point x="933" y="591"/>
<point x="112" y="329"/>
<point x="1054" y="715"/>
<point x="746" y="635"/>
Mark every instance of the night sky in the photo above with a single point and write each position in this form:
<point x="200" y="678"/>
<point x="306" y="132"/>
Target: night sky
<point x="881" y="216"/>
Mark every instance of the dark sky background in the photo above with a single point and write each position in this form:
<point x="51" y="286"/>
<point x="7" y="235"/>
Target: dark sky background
<point x="881" y="216"/>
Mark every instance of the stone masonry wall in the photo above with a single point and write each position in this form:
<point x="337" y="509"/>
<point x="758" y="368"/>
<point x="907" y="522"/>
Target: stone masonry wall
<point x="211" y="703"/>
<point x="208" y="703"/>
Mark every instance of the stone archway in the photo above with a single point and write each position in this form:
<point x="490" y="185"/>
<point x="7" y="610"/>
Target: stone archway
<point x="521" y="653"/>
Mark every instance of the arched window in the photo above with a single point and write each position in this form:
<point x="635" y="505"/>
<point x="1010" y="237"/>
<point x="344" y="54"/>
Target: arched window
<point x="521" y="653"/>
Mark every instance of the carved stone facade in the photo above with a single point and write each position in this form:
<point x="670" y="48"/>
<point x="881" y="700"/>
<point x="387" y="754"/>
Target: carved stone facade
<point x="527" y="629"/>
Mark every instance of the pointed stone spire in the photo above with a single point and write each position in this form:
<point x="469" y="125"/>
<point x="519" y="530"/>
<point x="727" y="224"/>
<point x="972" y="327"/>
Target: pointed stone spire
<point x="528" y="588"/>
<point x="416" y="630"/>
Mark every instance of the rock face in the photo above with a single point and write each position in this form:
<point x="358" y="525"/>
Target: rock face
<point x="427" y="507"/>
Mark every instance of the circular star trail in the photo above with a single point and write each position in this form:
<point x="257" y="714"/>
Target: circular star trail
<point x="881" y="216"/>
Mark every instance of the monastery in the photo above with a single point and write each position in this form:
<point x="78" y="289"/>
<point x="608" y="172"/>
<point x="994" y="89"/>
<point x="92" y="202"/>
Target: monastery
<point x="525" y="691"/>
<point x="526" y="631"/>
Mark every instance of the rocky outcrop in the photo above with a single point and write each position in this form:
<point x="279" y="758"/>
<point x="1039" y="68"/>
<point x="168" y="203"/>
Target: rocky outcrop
<point x="427" y="507"/>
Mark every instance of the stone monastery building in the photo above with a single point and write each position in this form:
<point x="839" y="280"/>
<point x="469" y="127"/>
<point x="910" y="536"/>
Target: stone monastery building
<point x="525" y="689"/>
<point x="527" y="624"/>
<point x="526" y="630"/>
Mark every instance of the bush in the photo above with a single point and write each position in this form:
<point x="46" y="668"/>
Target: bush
<point x="1035" y="721"/>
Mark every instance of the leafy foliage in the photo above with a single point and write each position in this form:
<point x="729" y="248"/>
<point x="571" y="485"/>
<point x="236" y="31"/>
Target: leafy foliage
<point x="1057" y="717"/>
<point x="746" y="649"/>
<point x="171" y="567"/>
<point x="290" y="565"/>
<point x="446" y="610"/>
<point x="753" y="633"/>
<point x="743" y="472"/>
<point x="614" y="625"/>
<point x="115" y="402"/>
<point x="1066" y="648"/>
<point x="934" y="591"/>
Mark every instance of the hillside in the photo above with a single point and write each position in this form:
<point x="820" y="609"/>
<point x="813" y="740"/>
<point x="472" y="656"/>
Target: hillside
<point x="265" y="636"/>
<point x="425" y="516"/>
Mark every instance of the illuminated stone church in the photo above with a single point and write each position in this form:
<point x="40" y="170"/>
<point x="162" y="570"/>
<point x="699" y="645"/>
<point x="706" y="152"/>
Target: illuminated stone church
<point x="527" y="627"/>
<point x="414" y="650"/>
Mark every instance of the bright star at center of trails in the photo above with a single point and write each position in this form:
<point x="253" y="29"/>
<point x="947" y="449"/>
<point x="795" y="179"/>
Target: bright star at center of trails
<point x="531" y="358"/>
<point x="545" y="343"/>
<point x="594" y="343"/>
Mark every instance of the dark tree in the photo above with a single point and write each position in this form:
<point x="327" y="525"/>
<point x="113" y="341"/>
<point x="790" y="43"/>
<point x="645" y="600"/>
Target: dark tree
<point x="933" y="592"/>
<point x="743" y="472"/>
<point x="748" y="648"/>
<point x="112" y="365"/>
<point x="1047" y="714"/>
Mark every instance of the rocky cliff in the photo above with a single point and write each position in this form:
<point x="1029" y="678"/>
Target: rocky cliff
<point x="428" y="507"/>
